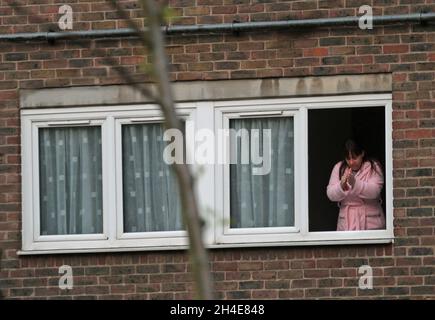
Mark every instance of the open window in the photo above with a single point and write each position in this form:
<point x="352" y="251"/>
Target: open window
<point x="327" y="131"/>
<point x="320" y="127"/>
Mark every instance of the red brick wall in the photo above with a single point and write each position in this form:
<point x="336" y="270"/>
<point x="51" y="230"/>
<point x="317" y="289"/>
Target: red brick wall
<point x="404" y="269"/>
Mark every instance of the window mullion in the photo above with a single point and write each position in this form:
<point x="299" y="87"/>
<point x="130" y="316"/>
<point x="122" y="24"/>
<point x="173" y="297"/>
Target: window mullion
<point x="110" y="151"/>
<point x="302" y="160"/>
<point x="203" y="119"/>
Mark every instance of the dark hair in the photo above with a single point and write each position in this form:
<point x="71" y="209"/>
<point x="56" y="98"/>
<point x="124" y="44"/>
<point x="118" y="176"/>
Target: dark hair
<point x="355" y="148"/>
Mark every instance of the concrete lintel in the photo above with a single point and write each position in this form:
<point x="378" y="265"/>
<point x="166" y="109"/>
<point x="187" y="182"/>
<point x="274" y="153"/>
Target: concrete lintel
<point x="210" y="90"/>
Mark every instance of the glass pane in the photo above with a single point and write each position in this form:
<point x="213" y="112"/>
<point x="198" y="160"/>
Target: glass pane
<point x="151" y="196"/>
<point x="262" y="200"/>
<point x="70" y="180"/>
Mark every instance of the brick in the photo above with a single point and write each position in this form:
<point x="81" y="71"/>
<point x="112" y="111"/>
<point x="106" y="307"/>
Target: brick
<point x="304" y="5"/>
<point x="420" y="212"/>
<point x="224" y="9"/>
<point x="422" y="271"/>
<point x="224" y="266"/>
<point x="264" y="294"/>
<point x="423" y="290"/>
<point x="330" y="283"/>
<point x="396" y="291"/>
<point x="250" y="266"/>
<point x="197" y="11"/>
<point x="278" y="284"/>
<point x="189" y="76"/>
<point x="316" y="52"/>
<point x="152" y="287"/>
<point x="333" y="41"/>
<point x="303" y="283"/>
<point x="276" y="265"/>
<point x="15" y="56"/>
<point x="332" y="60"/>
<point x="226" y="285"/>
<point x="421" y="172"/>
<point x="316" y="293"/>
<point x="22" y="292"/>
<point x="247" y="285"/>
<point x="174" y="268"/>
<point x="118" y="270"/>
<point x="291" y="294"/>
<point x="173" y="287"/>
<point x="419" y="192"/>
<point x="197" y="48"/>
<point x="224" y="47"/>
<point x="183" y="58"/>
<point x="305" y="43"/>
<point x="404" y="48"/>
<point x="237" y="55"/>
<point x="420" y="251"/>
<point x="227" y="65"/>
<point x="221" y="75"/>
<point x="301" y="62"/>
<point x="343" y="292"/>
<point x="264" y="275"/>
<point x="7" y="66"/>
<point x="238" y="295"/>
<point x="202" y="66"/>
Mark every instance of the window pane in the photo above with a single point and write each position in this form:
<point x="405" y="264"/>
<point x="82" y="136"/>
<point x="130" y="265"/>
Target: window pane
<point x="151" y="197"/>
<point x="262" y="200"/>
<point x="70" y="180"/>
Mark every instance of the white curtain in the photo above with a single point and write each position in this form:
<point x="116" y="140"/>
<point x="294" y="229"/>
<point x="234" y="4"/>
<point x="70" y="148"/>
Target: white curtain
<point x="263" y="200"/>
<point x="70" y="180"/>
<point x="151" y="198"/>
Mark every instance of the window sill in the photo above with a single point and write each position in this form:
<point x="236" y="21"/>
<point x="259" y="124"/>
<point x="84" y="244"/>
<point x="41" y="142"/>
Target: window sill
<point x="216" y="246"/>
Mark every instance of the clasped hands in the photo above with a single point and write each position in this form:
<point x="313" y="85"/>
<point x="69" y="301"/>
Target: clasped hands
<point x="347" y="180"/>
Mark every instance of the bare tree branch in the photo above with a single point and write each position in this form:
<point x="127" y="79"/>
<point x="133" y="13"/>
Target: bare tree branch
<point x="127" y="76"/>
<point x="153" y="39"/>
<point x="191" y="216"/>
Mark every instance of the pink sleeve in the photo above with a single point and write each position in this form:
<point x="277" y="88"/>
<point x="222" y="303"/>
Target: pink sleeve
<point x="371" y="188"/>
<point x="334" y="190"/>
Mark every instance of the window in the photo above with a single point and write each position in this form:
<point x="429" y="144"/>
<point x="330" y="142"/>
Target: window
<point x="263" y="201"/>
<point x="307" y="134"/>
<point x="367" y="124"/>
<point x="70" y="180"/>
<point x="258" y="196"/>
<point x="94" y="177"/>
<point x="150" y="202"/>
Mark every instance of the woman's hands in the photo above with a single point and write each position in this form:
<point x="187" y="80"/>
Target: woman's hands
<point x="351" y="179"/>
<point x="347" y="180"/>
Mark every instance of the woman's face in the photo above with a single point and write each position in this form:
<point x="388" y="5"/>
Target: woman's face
<point x="354" y="162"/>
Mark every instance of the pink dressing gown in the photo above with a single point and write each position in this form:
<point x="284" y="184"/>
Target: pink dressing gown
<point x="360" y="207"/>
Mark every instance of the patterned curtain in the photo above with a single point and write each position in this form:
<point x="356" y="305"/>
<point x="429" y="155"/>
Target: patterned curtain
<point x="70" y="180"/>
<point x="151" y="197"/>
<point x="263" y="200"/>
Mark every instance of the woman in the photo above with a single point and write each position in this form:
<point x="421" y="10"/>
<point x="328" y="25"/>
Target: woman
<point x="356" y="184"/>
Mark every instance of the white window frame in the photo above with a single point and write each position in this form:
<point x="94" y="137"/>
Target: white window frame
<point x="226" y="234"/>
<point x="35" y="181"/>
<point x="210" y="188"/>
<point x="153" y="238"/>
